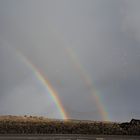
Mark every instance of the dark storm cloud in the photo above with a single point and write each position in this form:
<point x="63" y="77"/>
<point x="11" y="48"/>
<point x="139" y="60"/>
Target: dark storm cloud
<point x="105" y="37"/>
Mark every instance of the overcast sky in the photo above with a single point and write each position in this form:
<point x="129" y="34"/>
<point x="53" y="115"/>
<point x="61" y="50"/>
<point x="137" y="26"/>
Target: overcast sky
<point x="104" y="35"/>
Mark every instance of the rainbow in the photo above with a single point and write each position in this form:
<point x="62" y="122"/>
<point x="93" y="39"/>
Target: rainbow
<point x="84" y="74"/>
<point x="46" y="83"/>
<point x="88" y="82"/>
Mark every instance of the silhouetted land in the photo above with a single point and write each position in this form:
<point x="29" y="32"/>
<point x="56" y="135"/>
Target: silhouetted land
<point x="40" y="125"/>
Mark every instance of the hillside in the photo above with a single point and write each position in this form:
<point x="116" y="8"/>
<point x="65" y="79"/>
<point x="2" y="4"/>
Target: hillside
<point x="41" y="125"/>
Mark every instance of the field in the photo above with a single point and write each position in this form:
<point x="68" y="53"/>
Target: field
<point x="40" y="125"/>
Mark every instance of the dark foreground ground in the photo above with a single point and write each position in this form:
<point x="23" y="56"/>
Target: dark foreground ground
<point x="67" y="137"/>
<point x="25" y="125"/>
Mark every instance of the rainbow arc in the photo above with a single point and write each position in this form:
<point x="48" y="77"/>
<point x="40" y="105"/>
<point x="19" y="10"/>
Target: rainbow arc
<point x="47" y="84"/>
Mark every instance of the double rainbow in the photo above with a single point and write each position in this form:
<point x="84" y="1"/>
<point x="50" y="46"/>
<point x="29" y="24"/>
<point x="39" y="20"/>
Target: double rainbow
<point x="102" y="109"/>
<point x="54" y="95"/>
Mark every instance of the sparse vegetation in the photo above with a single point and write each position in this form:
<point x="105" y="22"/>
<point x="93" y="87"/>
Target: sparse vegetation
<point x="40" y="125"/>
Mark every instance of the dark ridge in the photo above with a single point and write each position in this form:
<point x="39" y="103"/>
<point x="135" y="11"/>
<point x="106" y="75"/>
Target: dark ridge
<point x="131" y="128"/>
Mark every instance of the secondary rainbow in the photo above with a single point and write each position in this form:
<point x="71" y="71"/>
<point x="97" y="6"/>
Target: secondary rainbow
<point x="88" y="82"/>
<point x="46" y="83"/>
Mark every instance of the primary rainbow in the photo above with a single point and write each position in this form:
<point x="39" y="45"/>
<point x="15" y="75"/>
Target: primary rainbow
<point x="47" y="84"/>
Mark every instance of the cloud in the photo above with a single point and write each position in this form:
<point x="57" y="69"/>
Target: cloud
<point x="104" y="35"/>
<point x="131" y="19"/>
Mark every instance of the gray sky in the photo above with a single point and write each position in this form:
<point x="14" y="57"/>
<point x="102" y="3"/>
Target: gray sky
<point x="103" y="34"/>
